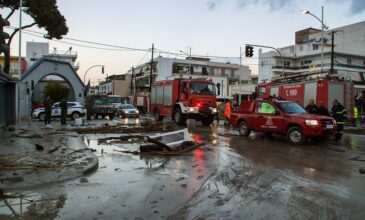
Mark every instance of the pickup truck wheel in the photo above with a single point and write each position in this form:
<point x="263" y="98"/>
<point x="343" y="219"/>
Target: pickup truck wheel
<point x="75" y="115"/>
<point x="157" y="115"/>
<point x="41" y="116"/>
<point x="243" y="129"/>
<point x="295" y="135"/>
<point x="179" y="118"/>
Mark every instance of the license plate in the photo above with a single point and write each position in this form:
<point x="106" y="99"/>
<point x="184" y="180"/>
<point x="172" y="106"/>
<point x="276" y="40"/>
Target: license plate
<point x="329" y="126"/>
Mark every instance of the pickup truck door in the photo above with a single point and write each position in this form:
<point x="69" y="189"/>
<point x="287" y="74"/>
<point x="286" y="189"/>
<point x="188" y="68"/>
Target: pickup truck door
<point x="268" y="118"/>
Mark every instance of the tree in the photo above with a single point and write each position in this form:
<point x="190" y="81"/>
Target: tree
<point x="56" y="91"/>
<point x="45" y="15"/>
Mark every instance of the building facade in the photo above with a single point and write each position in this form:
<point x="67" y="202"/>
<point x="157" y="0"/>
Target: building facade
<point x="305" y="57"/>
<point x="14" y="65"/>
<point x="116" y="85"/>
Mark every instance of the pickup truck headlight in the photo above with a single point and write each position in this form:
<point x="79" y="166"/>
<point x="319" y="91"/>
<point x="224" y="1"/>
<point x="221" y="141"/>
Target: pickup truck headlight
<point x="125" y="111"/>
<point x="311" y="122"/>
<point x="137" y="111"/>
<point x="214" y="110"/>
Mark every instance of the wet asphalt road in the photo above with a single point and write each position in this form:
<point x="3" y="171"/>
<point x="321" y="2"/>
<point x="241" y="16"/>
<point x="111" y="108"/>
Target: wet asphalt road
<point x="231" y="177"/>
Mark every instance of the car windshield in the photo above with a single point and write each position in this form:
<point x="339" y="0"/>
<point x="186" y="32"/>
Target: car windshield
<point x="202" y="88"/>
<point x="127" y="107"/>
<point x="101" y="102"/>
<point x="290" y="107"/>
<point x="115" y="99"/>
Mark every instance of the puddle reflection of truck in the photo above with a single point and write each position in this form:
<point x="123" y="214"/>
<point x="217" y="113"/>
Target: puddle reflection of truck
<point x="282" y="117"/>
<point x="184" y="99"/>
<point x="99" y="105"/>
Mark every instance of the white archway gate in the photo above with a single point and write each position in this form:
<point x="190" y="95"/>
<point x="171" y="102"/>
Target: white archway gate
<point x="44" y="67"/>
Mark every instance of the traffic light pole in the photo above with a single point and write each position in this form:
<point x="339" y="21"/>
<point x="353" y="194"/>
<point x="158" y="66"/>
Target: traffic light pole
<point x="282" y="58"/>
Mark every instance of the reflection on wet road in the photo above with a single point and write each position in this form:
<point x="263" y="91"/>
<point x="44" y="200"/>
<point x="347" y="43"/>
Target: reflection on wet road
<point x="231" y="177"/>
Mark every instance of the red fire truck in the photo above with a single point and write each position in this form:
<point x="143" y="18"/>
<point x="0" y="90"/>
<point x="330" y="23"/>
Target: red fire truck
<point x="319" y="90"/>
<point x="140" y="102"/>
<point x="184" y="98"/>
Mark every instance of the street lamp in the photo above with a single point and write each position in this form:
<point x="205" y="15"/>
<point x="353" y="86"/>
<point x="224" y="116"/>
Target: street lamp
<point x="189" y="55"/>
<point x="323" y="26"/>
<point x="102" y="71"/>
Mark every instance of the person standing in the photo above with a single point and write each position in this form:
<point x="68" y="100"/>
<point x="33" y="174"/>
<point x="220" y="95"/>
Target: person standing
<point x="47" y="110"/>
<point x="356" y="115"/>
<point x="322" y="110"/>
<point x="227" y="112"/>
<point x="338" y="112"/>
<point x="63" y="106"/>
<point x="311" y="107"/>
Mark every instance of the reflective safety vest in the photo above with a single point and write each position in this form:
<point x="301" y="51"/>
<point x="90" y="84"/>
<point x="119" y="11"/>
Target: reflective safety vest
<point x="267" y="108"/>
<point x="356" y="113"/>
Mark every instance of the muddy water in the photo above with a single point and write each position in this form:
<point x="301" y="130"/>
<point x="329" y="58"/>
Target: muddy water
<point x="231" y="177"/>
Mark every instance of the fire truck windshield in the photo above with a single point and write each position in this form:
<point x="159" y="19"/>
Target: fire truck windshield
<point x="202" y="88"/>
<point x="290" y="107"/>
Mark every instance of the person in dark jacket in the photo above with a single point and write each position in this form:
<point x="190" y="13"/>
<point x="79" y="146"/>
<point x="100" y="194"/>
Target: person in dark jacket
<point x="311" y="107"/>
<point x="63" y="106"/>
<point x="322" y="110"/>
<point x="338" y="112"/>
<point x="47" y="110"/>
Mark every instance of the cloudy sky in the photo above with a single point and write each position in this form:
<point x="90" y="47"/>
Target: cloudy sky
<point x="209" y="27"/>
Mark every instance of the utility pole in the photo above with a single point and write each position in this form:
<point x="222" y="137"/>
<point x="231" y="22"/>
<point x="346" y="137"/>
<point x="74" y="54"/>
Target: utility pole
<point x="153" y="47"/>
<point x="332" y="51"/>
<point x="239" y="77"/>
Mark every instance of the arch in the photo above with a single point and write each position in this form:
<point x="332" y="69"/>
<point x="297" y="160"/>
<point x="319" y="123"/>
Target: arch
<point x="42" y="68"/>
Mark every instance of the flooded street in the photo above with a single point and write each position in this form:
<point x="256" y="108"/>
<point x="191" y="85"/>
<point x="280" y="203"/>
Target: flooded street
<point x="230" y="177"/>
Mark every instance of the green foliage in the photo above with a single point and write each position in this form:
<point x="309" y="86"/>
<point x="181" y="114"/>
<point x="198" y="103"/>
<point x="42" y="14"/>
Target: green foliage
<point x="45" y="14"/>
<point x="56" y="91"/>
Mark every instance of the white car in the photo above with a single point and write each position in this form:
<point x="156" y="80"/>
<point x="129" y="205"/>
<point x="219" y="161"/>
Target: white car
<point x="74" y="110"/>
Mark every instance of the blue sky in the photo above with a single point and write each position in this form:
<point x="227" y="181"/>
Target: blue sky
<point x="213" y="27"/>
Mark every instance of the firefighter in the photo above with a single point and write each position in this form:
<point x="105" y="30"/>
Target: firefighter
<point x="227" y="112"/>
<point x="63" y="106"/>
<point x="322" y="110"/>
<point x="47" y="110"/>
<point x="338" y="112"/>
<point x="356" y="115"/>
<point x="311" y="107"/>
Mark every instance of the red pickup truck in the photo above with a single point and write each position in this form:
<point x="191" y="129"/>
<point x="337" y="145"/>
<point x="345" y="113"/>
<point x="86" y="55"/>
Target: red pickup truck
<point x="282" y="117"/>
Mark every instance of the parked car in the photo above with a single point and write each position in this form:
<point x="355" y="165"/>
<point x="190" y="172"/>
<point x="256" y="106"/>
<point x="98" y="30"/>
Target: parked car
<point x="127" y="110"/>
<point x="74" y="110"/>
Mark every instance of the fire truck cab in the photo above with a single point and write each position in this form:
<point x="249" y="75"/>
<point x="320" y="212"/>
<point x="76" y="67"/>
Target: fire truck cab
<point x="184" y="99"/>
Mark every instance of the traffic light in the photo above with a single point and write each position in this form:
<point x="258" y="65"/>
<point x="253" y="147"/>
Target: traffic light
<point x="3" y="35"/>
<point x="249" y="51"/>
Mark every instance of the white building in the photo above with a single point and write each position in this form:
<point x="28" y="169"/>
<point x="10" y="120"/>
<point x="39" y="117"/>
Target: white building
<point x="37" y="50"/>
<point x="169" y="68"/>
<point x="305" y="56"/>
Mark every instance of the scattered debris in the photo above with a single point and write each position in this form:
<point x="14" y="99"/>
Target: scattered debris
<point x="39" y="147"/>
<point x="35" y="135"/>
<point x="83" y="180"/>
<point x="127" y="152"/>
<point x="143" y="127"/>
<point x="120" y="138"/>
<point x="362" y="171"/>
<point x="357" y="159"/>
<point x="54" y="149"/>
<point x="336" y="149"/>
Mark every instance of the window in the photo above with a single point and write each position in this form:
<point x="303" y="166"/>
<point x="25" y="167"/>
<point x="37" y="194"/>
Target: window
<point x="315" y="46"/>
<point x="202" y="88"/>
<point x="70" y="104"/>
<point x="301" y="48"/>
<point x="265" y="108"/>
<point x="262" y="63"/>
<point x="232" y="73"/>
<point x="223" y="72"/>
<point x="211" y="71"/>
<point x="204" y="71"/>
<point x="286" y="63"/>
<point x="348" y="61"/>
<point x="262" y="91"/>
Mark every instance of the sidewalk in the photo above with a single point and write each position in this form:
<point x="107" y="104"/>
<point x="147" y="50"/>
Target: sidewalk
<point x="23" y="164"/>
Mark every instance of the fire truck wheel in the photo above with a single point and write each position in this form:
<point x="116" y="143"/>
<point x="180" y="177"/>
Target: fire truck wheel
<point x="157" y="115"/>
<point x="179" y="117"/>
<point x="295" y="135"/>
<point x="243" y="129"/>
